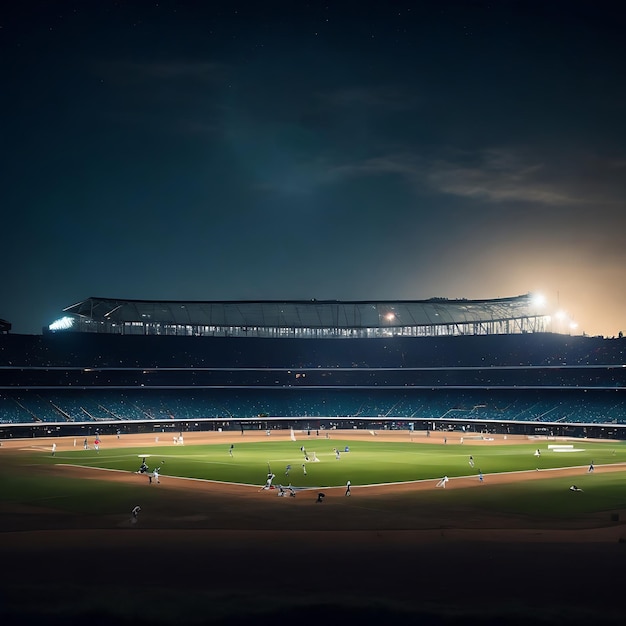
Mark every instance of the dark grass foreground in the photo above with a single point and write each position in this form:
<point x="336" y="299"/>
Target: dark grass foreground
<point x="316" y="615"/>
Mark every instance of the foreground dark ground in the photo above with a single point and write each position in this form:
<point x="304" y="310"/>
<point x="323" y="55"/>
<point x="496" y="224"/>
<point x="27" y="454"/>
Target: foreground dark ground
<point x="220" y="576"/>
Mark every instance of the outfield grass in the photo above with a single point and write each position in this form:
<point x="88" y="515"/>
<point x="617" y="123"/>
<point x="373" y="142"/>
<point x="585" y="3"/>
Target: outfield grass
<point x="367" y="463"/>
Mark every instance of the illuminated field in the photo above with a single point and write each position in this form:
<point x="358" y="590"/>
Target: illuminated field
<point x="373" y="464"/>
<point x="365" y="462"/>
<point x="57" y="511"/>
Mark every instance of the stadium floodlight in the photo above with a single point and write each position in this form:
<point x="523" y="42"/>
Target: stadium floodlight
<point x="63" y="323"/>
<point x="390" y="316"/>
<point x="538" y="299"/>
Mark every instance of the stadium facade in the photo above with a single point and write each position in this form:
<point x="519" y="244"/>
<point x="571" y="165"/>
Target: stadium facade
<point x="478" y="365"/>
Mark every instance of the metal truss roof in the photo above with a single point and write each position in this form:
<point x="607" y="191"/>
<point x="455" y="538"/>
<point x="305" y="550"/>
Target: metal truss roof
<point x="305" y="313"/>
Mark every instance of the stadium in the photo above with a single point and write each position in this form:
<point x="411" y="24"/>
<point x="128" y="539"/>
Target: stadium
<point x="387" y="398"/>
<point x="483" y="365"/>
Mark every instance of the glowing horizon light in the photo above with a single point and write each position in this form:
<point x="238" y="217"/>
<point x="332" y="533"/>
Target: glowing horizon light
<point x="62" y="324"/>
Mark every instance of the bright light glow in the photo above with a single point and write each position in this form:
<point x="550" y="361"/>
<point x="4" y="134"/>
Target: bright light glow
<point x="573" y="325"/>
<point x="62" y="324"/>
<point x="538" y="299"/>
<point x="560" y="315"/>
<point x="390" y="317"/>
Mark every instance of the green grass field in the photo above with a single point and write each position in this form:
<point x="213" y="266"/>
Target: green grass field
<point x="367" y="463"/>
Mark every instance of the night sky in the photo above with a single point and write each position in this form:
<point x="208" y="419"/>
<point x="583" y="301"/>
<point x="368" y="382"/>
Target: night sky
<point x="297" y="150"/>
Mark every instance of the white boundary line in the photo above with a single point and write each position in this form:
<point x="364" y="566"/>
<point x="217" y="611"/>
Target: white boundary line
<point x="405" y="482"/>
<point x="107" y="469"/>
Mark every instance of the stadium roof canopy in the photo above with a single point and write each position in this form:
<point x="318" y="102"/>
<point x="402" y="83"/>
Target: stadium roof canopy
<point x="393" y="317"/>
